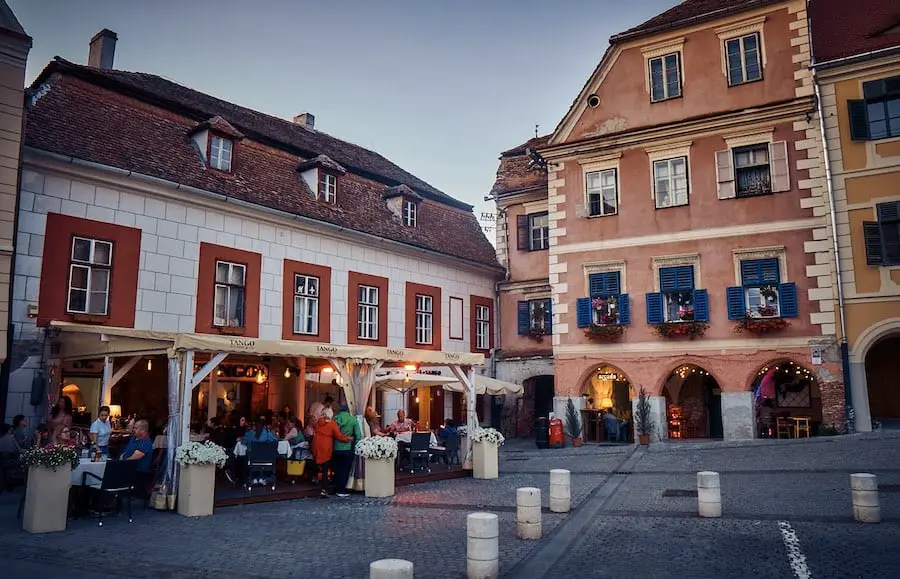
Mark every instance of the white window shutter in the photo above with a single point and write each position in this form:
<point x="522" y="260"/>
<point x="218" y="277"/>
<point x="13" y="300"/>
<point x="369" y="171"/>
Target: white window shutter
<point x="778" y="162"/>
<point x="725" y="174"/>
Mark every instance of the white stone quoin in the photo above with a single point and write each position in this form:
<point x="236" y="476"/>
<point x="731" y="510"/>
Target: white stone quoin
<point x="379" y="478"/>
<point x="486" y="460"/>
<point x="482" y="546"/>
<point x="560" y="490"/>
<point x="391" y="569"/>
<point x="864" y="491"/>
<point x="709" y="494"/>
<point x="196" y="490"/>
<point x="528" y="513"/>
<point x="46" y="499"/>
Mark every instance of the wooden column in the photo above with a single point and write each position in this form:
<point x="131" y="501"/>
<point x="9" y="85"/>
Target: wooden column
<point x="301" y="389"/>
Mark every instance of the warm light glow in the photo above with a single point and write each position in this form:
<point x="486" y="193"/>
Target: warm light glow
<point x="149" y="364"/>
<point x="606" y="403"/>
<point x="115" y="410"/>
<point x="410" y="367"/>
<point x="417" y="399"/>
<point x="327" y="370"/>
<point x="260" y="377"/>
<point x="219" y="372"/>
<point x="287" y="372"/>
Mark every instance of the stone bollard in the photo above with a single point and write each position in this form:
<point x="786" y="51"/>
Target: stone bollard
<point x="864" y="489"/>
<point x="709" y="494"/>
<point x="391" y="569"/>
<point x="560" y="490"/>
<point x="483" y="548"/>
<point x="528" y="513"/>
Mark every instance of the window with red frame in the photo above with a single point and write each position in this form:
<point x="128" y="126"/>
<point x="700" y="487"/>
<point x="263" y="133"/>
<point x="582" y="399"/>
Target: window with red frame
<point x="90" y="267"/>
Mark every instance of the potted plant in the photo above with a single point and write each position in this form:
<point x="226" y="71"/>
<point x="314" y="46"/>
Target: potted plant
<point x="487" y="442"/>
<point x="573" y="423"/>
<point x="643" y="421"/>
<point x="692" y="329"/>
<point x="379" y="452"/>
<point x="47" y="491"/>
<point x="197" y="482"/>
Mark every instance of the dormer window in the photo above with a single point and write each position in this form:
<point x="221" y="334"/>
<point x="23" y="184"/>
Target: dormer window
<point x="328" y="183"/>
<point x="410" y="212"/>
<point x="220" y="153"/>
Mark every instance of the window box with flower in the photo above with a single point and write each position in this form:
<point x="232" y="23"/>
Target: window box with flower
<point x="604" y="315"/>
<point x="679" y="309"/>
<point x="535" y="318"/>
<point x="761" y="303"/>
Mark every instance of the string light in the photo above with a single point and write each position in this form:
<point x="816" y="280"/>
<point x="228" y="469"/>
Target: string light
<point x="260" y="377"/>
<point x="287" y="372"/>
<point x="149" y="364"/>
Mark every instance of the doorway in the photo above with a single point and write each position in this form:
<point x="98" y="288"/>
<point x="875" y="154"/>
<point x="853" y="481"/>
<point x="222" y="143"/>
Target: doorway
<point x="882" y="383"/>
<point x="693" y="404"/>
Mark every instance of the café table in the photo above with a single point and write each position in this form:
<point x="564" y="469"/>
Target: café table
<point x="284" y="448"/>
<point x="85" y="465"/>
<point x="406" y="437"/>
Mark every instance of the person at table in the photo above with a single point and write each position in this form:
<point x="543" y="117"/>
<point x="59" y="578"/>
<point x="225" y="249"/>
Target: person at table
<point x="41" y="435"/>
<point x="8" y="444"/>
<point x="448" y="430"/>
<point x="20" y="431"/>
<point x="64" y="438"/>
<point x="100" y="430"/>
<point x="374" y="421"/>
<point x="140" y="448"/>
<point x="402" y="424"/>
<point x="343" y="451"/>
<point x="60" y="416"/>
<point x="260" y="433"/>
<point x="327" y="431"/>
<point x="290" y="430"/>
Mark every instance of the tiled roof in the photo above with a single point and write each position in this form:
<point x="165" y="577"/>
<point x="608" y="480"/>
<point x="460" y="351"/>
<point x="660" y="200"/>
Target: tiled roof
<point x="875" y="27"/>
<point x="518" y="171"/>
<point x="219" y="125"/>
<point x="689" y="12"/>
<point x="322" y="161"/>
<point x="400" y="191"/>
<point x="83" y="117"/>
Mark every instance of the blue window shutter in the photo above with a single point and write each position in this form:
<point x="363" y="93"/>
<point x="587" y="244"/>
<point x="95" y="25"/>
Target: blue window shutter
<point x="734" y="297"/>
<point x="859" y="120"/>
<point x="548" y="315"/>
<point x="654" y="308"/>
<point x="684" y="277"/>
<point x="750" y="272"/>
<point x="769" y="270"/>
<point x="595" y="284"/>
<point x="668" y="279"/>
<point x="524" y="321"/>
<point x="787" y="298"/>
<point x="624" y="310"/>
<point x="701" y="305"/>
<point x="583" y="312"/>
<point x="611" y="283"/>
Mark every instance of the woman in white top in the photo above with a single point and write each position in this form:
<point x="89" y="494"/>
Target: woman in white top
<point x="100" y="430"/>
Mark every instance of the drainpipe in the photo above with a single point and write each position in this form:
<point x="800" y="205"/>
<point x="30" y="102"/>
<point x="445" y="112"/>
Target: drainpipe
<point x="497" y="288"/>
<point x="829" y="188"/>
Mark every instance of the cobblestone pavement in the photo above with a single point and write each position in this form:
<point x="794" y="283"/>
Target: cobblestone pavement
<point x="621" y="526"/>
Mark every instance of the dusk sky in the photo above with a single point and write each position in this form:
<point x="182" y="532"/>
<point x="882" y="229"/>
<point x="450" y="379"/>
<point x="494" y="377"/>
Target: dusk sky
<point x="440" y="88"/>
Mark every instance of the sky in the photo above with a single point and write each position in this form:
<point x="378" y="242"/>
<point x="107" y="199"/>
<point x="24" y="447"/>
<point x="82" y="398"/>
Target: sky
<point x="441" y="88"/>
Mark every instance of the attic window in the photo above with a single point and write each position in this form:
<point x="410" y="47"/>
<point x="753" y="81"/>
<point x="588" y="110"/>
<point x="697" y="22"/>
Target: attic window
<point x="410" y="212"/>
<point x="328" y="184"/>
<point x="220" y="150"/>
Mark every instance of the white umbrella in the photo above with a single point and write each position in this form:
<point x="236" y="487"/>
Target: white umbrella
<point x="403" y="382"/>
<point x="489" y="386"/>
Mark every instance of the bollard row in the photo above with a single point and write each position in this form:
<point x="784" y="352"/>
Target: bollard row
<point x="528" y="513"/>
<point x="864" y="493"/>
<point x="709" y="494"/>
<point x="391" y="569"/>
<point x="560" y="490"/>
<point x="482" y="546"/>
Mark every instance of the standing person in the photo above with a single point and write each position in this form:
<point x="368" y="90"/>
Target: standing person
<point x="20" y="431"/>
<point x="60" y="417"/>
<point x="323" y="444"/>
<point x="343" y="451"/>
<point x="100" y="430"/>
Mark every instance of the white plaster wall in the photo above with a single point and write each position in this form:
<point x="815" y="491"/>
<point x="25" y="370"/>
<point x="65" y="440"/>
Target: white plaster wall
<point x="170" y="242"/>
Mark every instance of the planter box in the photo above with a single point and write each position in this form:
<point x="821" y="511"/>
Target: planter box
<point x="46" y="499"/>
<point x="379" y="481"/>
<point x="486" y="461"/>
<point x="196" y="490"/>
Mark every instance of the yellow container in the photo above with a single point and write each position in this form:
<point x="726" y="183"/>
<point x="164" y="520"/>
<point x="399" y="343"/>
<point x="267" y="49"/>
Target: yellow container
<point x="296" y="467"/>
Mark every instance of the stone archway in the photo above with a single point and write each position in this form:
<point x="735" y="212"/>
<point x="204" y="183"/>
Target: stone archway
<point x="693" y="403"/>
<point x="786" y="389"/>
<point x="881" y="381"/>
<point x="605" y="389"/>
<point x="536" y="402"/>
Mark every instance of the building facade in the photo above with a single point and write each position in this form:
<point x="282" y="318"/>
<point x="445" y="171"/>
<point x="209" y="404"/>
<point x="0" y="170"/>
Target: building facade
<point x="151" y="210"/>
<point x="858" y="76"/>
<point x="688" y="229"/>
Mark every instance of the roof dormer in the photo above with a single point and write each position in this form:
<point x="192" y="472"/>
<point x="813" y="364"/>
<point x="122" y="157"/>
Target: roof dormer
<point x="403" y="202"/>
<point x="322" y="175"/>
<point x="215" y="139"/>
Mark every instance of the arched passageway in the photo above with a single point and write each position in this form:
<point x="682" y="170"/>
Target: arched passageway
<point x="693" y="403"/>
<point x="606" y="406"/>
<point x="536" y="402"/>
<point x="882" y="382"/>
<point x="788" y="401"/>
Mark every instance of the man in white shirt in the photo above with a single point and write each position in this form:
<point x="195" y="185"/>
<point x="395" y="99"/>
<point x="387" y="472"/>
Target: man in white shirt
<point x="100" y="430"/>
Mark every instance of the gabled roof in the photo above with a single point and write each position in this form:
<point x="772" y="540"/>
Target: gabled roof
<point x="78" y="113"/>
<point x="400" y="191"/>
<point x="323" y="161"/>
<point x="689" y="12"/>
<point x="874" y="27"/>
<point x="518" y="172"/>
<point x="218" y="125"/>
<point x="10" y="23"/>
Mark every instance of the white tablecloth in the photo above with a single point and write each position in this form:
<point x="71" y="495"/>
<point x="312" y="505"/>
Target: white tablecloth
<point x="84" y="465"/>
<point x="407" y="438"/>
<point x="284" y="448"/>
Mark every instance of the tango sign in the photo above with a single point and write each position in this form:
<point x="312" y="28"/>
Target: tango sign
<point x="242" y="344"/>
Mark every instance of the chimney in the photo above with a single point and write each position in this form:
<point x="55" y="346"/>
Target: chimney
<point x="103" y="49"/>
<point x="308" y="120"/>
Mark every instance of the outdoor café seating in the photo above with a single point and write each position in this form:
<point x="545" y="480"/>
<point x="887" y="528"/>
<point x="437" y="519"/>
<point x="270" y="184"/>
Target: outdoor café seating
<point x="117" y="478"/>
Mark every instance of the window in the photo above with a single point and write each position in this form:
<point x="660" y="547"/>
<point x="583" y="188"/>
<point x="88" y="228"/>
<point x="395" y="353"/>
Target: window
<point x="751" y="171"/>
<point x="670" y="182"/>
<point x="368" y="312"/>
<point x="761" y="293"/>
<point x="409" y="213"/>
<point x="882" y="237"/>
<point x="327" y="186"/>
<point x="228" y="303"/>
<point x="539" y="231"/>
<point x="482" y="327"/>
<point x="677" y="287"/>
<point x="606" y="305"/>
<point x="89" y="273"/>
<point x="877" y="115"/>
<point x="306" y="304"/>
<point x="220" y="153"/>
<point x="602" y="193"/>
<point x="665" y="77"/>
<point x="743" y="59"/>
<point x="424" y="325"/>
<point x="535" y="317"/>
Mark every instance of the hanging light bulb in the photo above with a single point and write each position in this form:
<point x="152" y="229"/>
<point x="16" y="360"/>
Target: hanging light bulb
<point x="260" y="378"/>
<point x="327" y="370"/>
<point x="417" y="399"/>
<point x="218" y="372"/>
<point x="287" y="372"/>
<point x="410" y="367"/>
<point x="149" y="364"/>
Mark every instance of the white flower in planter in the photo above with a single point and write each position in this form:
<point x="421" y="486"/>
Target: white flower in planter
<point x="491" y="435"/>
<point x="377" y="448"/>
<point x="191" y="453"/>
<point x="463" y="430"/>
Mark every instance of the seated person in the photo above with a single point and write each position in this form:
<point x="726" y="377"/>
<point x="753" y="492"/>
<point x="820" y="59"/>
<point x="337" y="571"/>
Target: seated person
<point x="260" y="433"/>
<point x="290" y="430"/>
<point x="8" y="444"/>
<point x="64" y="438"/>
<point x="374" y="421"/>
<point x="448" y="430"/>
<point x="140" y="448"/>
<point x="402" y="424"/>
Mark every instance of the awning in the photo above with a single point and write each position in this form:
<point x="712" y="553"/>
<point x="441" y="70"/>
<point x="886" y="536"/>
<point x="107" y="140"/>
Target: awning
<point x="489" y="386"/>
<point x="402" y="382"/>
<point x="84" y="341"/>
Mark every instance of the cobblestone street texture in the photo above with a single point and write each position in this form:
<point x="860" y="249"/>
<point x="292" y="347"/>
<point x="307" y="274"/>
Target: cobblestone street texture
<point x="786" y="514"/>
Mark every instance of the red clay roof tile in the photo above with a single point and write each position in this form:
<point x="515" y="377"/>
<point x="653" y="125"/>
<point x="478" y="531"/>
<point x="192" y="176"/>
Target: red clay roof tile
<point x="841" y="28"/>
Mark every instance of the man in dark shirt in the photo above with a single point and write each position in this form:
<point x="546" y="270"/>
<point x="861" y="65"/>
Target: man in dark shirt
<point x="140" y="448"/>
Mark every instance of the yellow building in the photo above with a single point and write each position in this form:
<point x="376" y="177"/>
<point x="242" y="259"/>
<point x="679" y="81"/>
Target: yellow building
<point x="857" y="71"/>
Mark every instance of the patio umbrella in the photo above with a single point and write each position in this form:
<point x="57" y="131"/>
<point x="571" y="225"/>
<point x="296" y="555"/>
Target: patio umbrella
<point x="403" y="382"/>
<point x="489" y="386"/>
